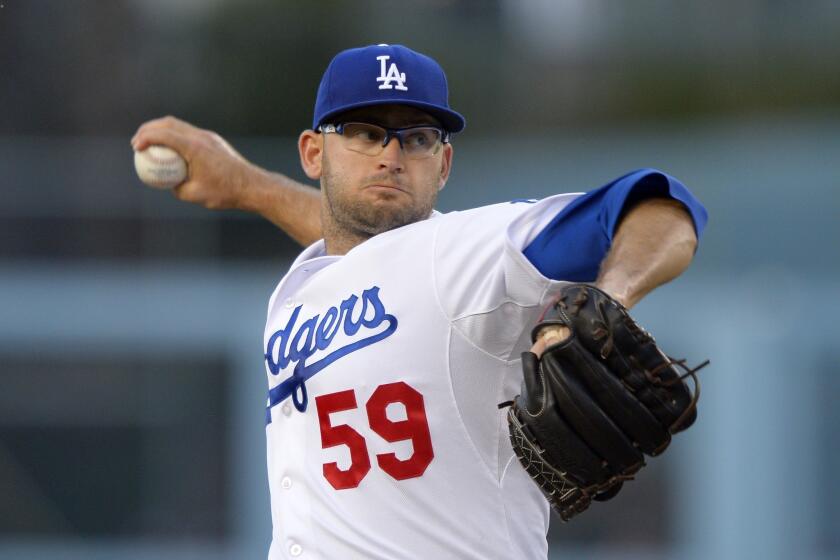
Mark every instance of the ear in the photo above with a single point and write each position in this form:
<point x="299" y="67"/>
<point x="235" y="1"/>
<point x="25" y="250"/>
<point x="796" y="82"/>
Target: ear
<point x="445" y="165"/>
<point x="311" y="150"/>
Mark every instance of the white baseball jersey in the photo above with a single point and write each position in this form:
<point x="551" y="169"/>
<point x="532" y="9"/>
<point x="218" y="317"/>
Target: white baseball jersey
<point x="385" y="369"/>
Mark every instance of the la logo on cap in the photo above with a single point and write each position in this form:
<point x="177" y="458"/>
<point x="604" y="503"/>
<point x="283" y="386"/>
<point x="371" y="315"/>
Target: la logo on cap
<point x="351" y="81"/>
<point x="391" y="74"/>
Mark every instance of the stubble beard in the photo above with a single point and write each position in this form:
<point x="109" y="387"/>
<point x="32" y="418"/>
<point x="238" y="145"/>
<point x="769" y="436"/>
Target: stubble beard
<point x="356" y="219"/>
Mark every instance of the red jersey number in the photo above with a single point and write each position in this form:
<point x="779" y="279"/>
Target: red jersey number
<point x="342" y="435"/>
<point x="415" y="427"/>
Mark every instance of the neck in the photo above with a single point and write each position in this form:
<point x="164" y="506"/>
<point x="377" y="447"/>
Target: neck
<point x="341" y="245"/>
<point x="338" y="240"/>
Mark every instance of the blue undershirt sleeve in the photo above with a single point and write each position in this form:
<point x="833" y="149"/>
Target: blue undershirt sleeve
<point x="573" y="244"/>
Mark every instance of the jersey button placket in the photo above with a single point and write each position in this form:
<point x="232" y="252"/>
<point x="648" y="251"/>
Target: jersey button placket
<point x="290" y="487"/>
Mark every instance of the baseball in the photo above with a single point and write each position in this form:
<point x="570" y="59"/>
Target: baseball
<point x="160" y="167"/>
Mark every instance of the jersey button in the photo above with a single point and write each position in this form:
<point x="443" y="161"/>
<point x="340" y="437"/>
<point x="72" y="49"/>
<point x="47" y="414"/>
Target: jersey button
<point x="295" y="549"/>
<point x="289" y="303"/>
<point x="286" y="483"/>
<point x="287" y="409"/>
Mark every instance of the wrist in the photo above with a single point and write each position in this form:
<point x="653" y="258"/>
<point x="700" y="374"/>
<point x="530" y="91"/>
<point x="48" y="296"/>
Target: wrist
<point x="251" y="187"/>
<point x="621" y="292"/>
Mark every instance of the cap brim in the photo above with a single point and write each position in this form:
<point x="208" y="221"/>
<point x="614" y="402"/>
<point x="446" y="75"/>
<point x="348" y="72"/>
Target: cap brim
<point x="452" y="121"/>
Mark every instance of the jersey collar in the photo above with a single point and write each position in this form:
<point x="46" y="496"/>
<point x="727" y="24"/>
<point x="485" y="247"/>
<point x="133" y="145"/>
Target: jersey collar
<point x="319" y="248"/>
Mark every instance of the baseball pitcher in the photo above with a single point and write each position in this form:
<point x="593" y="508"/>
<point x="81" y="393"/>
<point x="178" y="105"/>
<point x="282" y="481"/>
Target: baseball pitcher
<point x="436" y="382"/>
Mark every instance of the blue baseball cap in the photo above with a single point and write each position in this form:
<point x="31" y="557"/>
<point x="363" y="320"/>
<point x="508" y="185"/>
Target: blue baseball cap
<point x="383" y="74"/>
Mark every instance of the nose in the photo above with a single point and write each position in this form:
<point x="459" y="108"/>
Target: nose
<point x="392" y="157"/>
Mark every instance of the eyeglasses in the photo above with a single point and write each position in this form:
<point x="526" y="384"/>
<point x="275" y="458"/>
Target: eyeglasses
<point x="417" y="142"/>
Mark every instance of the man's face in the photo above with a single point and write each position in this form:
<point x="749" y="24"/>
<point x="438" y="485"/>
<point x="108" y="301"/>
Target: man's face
<point x="368" y="195"/>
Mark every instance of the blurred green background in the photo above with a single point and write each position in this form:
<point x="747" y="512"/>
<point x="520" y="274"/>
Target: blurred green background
<point x="132" y="389"/>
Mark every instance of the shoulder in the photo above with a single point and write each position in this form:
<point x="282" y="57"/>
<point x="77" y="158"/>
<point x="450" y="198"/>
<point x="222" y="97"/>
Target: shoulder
<point x="501" y="210"/>
<point x="499" y="216"/>
<point x="518" y="220"/>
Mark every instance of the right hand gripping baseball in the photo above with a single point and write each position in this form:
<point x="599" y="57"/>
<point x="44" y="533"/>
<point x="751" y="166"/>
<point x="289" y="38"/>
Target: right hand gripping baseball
<point x="218" y="174"/>
<point x="593" y="405"/>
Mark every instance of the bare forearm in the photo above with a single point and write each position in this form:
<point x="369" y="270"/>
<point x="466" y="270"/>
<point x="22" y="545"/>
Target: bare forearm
<point x="291" y="206"/>
<point x="654" y="244"/>
<point x="220" y="178"/>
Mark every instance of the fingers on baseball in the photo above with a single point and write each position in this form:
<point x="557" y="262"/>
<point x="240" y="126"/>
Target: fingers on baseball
<point x="167" y="137"/>
<point x="168" y="131"/>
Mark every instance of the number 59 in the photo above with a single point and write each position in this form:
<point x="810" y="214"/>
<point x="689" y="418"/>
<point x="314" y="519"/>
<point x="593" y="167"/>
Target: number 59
<point x="415" y="427"/>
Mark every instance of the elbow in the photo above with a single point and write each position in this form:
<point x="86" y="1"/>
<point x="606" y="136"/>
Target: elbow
<point x="682" y="253"/>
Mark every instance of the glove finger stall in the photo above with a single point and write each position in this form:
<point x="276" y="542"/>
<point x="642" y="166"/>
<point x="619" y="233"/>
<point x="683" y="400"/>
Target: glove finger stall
<point x="606" y="329"/>
<point x="584" y="415"/>
<point x="629" y="415"/>
<point x="649" y="370"/>
<point x="561" y="446"/>
<point x="532" y="398"/>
